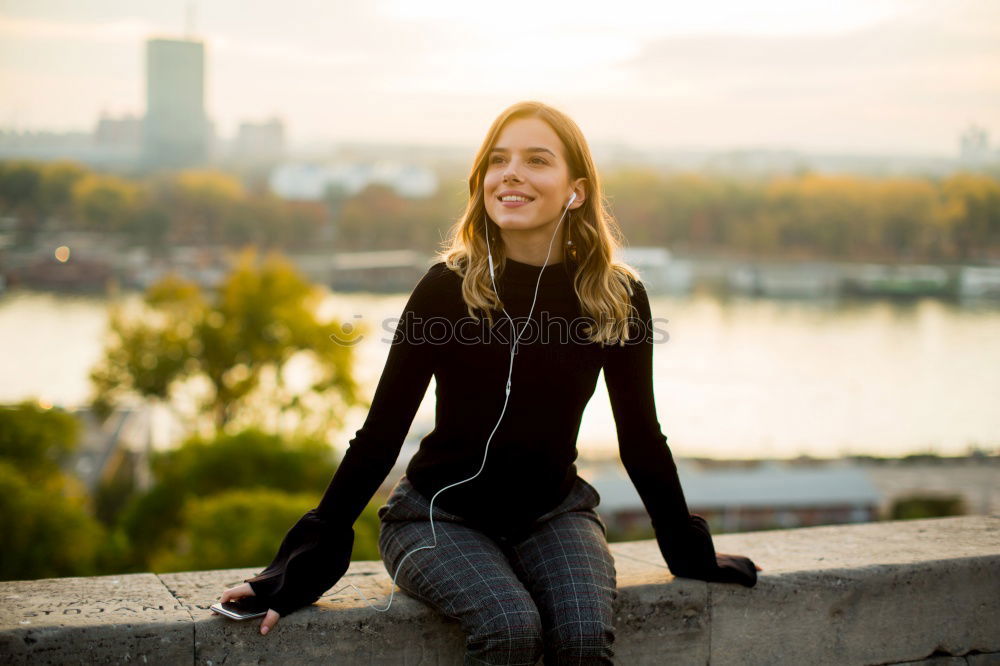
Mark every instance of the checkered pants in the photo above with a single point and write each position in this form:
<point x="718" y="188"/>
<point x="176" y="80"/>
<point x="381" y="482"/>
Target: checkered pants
<point x="550" y="593"/>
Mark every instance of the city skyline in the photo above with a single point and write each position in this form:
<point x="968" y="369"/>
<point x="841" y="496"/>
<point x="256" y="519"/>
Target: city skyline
<point x="874" y="77"/>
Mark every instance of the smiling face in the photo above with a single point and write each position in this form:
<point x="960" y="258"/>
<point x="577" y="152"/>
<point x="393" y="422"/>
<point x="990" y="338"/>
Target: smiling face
<point x="527" y="180"/>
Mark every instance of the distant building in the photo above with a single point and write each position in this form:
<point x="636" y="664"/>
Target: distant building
<point x="176" y="132"/>
<point x="84" y="147"/>
<point x="118" y="139"/>
<point x="658" y="269"/>
<point x="310" y="182"/>
<point x="124" y="132"/>
<point x="765" y="496"/>
<point x="974" y="147"/>
<point x="44" y="145"/>
<point x="257" y="143"/>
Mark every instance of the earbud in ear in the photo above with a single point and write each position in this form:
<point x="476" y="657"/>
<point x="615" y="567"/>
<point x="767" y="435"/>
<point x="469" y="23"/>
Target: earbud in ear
<point x="572" y="198"/>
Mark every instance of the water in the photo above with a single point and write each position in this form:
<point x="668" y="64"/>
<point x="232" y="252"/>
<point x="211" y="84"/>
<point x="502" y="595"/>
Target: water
<point x="736" y="378"/>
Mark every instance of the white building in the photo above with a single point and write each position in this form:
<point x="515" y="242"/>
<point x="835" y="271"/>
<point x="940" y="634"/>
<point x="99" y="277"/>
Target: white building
<point x="658" y="269"/>
<point x="767" y="495"/>
<point x="306" y="181"/>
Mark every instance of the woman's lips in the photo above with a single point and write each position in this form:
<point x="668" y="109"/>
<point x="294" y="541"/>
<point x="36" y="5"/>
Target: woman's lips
<point x="513" y="199"/>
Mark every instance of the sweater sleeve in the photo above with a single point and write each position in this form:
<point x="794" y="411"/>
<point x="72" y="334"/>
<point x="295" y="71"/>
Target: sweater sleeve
<point x="316" y="551"/>
<point x="684" y="539"/>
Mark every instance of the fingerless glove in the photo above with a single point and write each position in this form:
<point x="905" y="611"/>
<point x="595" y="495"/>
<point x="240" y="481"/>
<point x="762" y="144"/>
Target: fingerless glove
<point x="312" y="557"/>
<point x="690" y="553"/>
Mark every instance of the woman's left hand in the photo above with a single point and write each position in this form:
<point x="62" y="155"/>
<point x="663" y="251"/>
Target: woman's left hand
<point x="244" y="590"/>
<point x="735" y="570"/>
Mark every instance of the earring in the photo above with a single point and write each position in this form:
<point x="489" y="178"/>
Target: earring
<point x="570" y="246"/>
<point x="571" y="249"/>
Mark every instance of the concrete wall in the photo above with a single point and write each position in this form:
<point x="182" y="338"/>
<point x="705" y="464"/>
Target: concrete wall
<point x="914" y="592"/>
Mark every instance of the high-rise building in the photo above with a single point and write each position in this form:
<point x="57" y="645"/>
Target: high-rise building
<point x="176" y="130"/>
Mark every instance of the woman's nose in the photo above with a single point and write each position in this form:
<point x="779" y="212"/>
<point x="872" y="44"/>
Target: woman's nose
<point x="510" y="173"/>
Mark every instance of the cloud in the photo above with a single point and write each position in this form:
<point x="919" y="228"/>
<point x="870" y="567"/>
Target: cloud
<point x="30" y="29"/>
<point x="909" y="56"/>
<point x="876" y="72"/>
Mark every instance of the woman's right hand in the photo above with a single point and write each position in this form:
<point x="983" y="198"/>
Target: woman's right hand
<point x="244" y="590"/>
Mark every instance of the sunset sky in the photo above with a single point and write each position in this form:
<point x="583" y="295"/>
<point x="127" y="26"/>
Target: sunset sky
<point x="868" y="76"/>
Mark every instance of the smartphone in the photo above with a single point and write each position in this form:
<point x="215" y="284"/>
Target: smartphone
<point x="244" y="608"/>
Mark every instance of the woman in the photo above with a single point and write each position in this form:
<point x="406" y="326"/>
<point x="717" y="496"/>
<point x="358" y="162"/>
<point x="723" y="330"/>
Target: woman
<point x="515" y="328"/>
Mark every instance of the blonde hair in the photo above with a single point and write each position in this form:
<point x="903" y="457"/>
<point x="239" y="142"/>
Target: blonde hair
<point x="602" y="284"/>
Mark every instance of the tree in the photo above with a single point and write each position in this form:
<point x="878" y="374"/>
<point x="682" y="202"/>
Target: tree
<point x="37" y="441"/>
<point x="205" y="467"/>
<point x="915" y="506"/>
<point x="47" y="532"/>
<point x="261" y="483"/>
<point x="20" y="197"/>
<point x="972" y="205"/>
<point x="240" y="340"/>
<point x="237" y="341"/>
<point x="58" y="182"/>
<point x="378" y="217"/>
<point x="107" y="203"/>
<point x="237" y="528"/>
<point x="44" y="514"/>
<point x="202" y="203"/>
<point x="242" y="528"/>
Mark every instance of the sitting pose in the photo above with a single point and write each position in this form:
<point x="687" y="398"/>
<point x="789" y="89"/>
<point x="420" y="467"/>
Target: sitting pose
<point x="491" y="524"/>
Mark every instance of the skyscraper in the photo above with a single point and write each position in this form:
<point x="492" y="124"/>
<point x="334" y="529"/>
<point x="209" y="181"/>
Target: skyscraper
<point x="176" y="130"/>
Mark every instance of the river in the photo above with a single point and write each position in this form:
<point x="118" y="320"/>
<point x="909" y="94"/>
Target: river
<point x="734" y="378"/>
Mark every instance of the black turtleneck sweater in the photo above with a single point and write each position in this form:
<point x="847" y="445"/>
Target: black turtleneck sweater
<point x="530" y="464"/>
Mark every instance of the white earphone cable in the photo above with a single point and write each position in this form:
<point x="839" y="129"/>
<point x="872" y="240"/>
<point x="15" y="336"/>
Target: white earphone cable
<point x="510" y="372"/>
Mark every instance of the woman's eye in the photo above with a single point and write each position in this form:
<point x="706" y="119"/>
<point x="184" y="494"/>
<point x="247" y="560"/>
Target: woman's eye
<point x="500" y="159"/>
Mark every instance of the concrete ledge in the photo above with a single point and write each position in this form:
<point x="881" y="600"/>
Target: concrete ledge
<point x="106" y="618"/>
<point x="914" y="592"/>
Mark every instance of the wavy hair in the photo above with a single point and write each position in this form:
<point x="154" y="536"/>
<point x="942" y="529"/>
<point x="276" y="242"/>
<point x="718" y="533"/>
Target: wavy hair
<point x="602" y="284"/>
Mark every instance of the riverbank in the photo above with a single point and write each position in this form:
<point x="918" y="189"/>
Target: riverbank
<point x="97" y="263"/>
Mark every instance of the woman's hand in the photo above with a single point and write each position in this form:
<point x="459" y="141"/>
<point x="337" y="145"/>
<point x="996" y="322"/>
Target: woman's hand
<point x="755" y="566"/>
<point x="730" y="557"/>
<point x="244" y="590"/>
<point x="735" y="569"/>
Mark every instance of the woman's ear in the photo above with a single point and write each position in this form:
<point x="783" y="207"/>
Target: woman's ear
<point x="580" y="189"/>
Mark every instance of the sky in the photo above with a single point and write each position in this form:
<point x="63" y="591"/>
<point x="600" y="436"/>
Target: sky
<point x="864" y="77"/>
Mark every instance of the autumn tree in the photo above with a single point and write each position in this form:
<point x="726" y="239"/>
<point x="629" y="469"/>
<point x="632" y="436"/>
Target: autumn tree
<point x="238" y="340"/>
<point x="107" y="203"/>
<point x="972" y="213"/>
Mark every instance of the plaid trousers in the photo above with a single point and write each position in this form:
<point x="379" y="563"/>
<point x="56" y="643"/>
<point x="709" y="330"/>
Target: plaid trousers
<point x="549" y="594"/>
